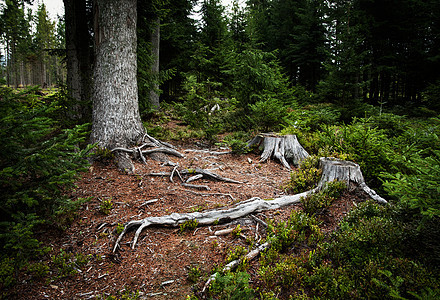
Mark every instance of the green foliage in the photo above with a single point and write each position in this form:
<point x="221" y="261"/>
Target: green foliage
<point x="67" y="264"/>
<point x="38" y="270"/>
<point x="39" y="163"/>
<point x="231" y="285"/>
<point x="235" y="253"/>
<point x="317" y="202"/>
<point x="106" y="206"/>
<point x="419" y="190"/>
<point x="7" y="270"/>
<point x="188" y="225"/>
<point x="194" y="274"/>
<point x="124" y="295"/>
<point x="305" y="177"/>
<point x="267" y="114"/>
<point x="202" y="106"/>
<point x="312" y="117"/>
<point x="365" y="258"/>
<point x="367" y="146"/>
<point x="119" y="228"/>
<point x="237" y="141"/>
<point x="300" y="228"/>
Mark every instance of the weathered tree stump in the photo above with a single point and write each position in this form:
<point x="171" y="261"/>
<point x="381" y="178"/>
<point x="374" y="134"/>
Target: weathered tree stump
<point x="332" y="169"/>
<point x="285" y="148"/>
<point x="348" y="171"/>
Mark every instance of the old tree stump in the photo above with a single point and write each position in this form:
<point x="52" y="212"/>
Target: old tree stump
<point x="284" y="148"/>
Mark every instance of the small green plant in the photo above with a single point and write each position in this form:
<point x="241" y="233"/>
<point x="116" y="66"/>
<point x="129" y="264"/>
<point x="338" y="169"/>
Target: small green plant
<point x="38" y="270"/>
<point x="237" y="231"/>
<point x="7" y="270"/>
<point x="235" y="253"/>
<point x="119" y="228"/>
<point x="106" y="206"/>
<point x="64" y="264"/>
<point x="305" y="177"/>
<point x="317" y="202"/>
<point x="231" y="285"/>
<point x="189" y="225"/>
<point x="194" y="274"/>
<point x="103" y="153"/>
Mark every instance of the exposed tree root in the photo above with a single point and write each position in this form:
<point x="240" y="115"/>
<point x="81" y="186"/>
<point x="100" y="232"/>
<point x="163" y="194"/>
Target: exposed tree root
<point x="196" y="172"/>
<point x="284" y="148"/>
<point x="240" y="210"/>
<point x="333" y="169"/>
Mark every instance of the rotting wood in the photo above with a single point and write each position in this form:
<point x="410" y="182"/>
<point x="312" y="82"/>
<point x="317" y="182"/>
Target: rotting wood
<point x="194" y="178"/>
<point x="333" y="169"/>
<point x="150" y="151"/>
<point x="285" y="148"/>
<point x="148" y="202"/>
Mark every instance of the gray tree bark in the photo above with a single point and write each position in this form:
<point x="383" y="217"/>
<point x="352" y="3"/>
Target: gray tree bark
<point x="116" y="120"/>
<point x="155" y="46"/>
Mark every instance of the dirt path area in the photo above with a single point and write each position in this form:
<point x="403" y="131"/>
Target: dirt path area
<point x="159" y="265"/>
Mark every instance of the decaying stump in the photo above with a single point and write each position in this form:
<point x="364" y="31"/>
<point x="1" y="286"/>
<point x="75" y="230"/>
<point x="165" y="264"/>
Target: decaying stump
<point x="285" y="148"/>
<point x="333" y="169"/>
<point x="350" y="172"/>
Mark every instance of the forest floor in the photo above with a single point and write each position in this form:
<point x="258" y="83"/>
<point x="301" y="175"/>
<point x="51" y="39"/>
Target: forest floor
<point x="159" y="265"/>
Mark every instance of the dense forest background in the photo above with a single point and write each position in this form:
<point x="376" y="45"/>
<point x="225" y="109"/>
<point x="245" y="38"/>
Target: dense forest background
<point x="353" y="79"/>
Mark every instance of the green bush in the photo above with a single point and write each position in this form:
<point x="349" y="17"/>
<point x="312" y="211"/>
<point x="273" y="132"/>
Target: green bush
<point x="312" y="117"/>
<point x="369" y="147"/>
<point x="315" y="203"/>
<point x="39" y="162"/>
<point x="231" y="285"/>
<point x="305" y="177"/>
<point x="420" y="189"/>
<point x="267" y="114"/>
<point x="299" y="229"/>
<point x="203" y="106"/>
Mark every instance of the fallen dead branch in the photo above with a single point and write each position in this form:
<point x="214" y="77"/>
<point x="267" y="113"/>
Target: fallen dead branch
<point x="208" y="152"/>
<point x="197" y="172"/>
<point x="196" y="186"/>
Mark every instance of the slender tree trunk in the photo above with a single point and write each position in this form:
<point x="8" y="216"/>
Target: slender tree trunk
<point x="155" y="46"/>
<point x="79" y="53"/>
<point x="116" y="118"/>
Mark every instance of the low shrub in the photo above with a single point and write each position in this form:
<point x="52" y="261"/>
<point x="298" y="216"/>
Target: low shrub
<point x="315" y="203"/>
<point x="305" y="177"/>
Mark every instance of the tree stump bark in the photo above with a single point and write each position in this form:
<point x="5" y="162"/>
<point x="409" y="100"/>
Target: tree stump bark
<point x="348" y="171"/>
<point x="284" y="148"/>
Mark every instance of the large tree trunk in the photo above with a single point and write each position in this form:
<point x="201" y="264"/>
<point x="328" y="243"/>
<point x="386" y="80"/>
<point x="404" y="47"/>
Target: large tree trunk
<point x="116" y="119"/>
<point x="78" y="52"/>
<point x="155" y="46"/>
